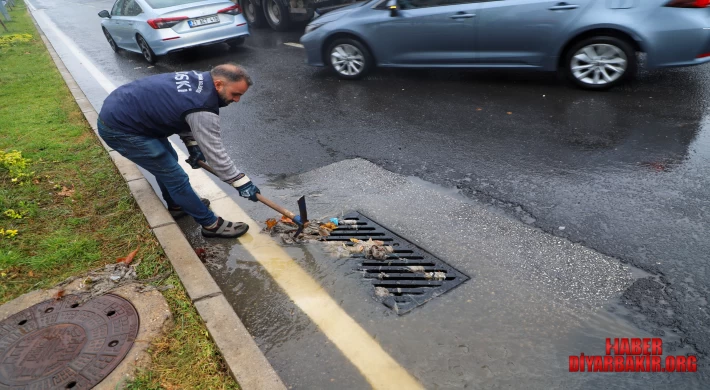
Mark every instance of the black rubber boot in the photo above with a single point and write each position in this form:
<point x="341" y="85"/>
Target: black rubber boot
<point x="226" y="229"/>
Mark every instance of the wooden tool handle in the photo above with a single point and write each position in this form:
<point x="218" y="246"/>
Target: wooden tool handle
<point x="274" y="206"/>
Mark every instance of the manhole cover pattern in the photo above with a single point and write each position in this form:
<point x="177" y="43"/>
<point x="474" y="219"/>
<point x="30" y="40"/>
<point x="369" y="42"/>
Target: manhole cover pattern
<point x="411" y="275"/>
<point x="59" y="344"/>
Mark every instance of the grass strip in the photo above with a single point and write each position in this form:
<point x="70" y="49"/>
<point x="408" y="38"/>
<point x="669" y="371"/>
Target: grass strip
<point x="65" y="209"/>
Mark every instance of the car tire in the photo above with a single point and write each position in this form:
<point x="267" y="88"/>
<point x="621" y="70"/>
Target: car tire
<point x="600" y="63"/>
<point x="277" y="15"/>
<point x="236" y="42"/>
<point x="110" y="40"/>
<point x="253" y="13"/>
<point x="147" y="52"/>
<point x="356" y="60"/>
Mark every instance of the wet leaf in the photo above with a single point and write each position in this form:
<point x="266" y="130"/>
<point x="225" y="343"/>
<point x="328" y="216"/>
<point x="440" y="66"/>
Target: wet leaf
<point x="31" y="274"/>
<point x="284" y="219"/>
<point x="65" y="192"/>
<point x="201" y="253"/>
<point x="479" y="109"/>
<point x="128" y="259"/>
<point x="329" y="226"/>
<point x="510" y="113"/>
<point x="271" y="222"/>
<point x="355" y="240"/>
<point x="58" y="295"/>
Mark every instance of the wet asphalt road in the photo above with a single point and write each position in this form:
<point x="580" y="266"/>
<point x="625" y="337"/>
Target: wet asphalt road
<point x="625" y="173"/>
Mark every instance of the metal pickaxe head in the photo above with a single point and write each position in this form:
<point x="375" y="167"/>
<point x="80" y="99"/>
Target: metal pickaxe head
<point x="302" y="218"/>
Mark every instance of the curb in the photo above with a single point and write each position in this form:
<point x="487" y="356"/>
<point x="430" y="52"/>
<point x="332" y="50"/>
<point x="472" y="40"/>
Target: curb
<point x="246" y="363"/>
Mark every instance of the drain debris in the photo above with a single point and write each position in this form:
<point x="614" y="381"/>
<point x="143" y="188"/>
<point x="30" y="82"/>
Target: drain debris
<point x="404" y="275"/>
<point x="371" y="249"/>
<point x="103" y="280"/>
<point x="285" y="228"/>
<point x="382" y="292"/>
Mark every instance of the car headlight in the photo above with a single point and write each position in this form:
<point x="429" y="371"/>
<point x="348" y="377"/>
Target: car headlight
<point x="311" y="27"/>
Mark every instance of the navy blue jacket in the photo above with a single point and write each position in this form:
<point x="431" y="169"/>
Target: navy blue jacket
<point x="156" y="106"/>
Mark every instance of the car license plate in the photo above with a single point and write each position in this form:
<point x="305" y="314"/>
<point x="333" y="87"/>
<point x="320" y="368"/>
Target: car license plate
<point x="203" y="21"/>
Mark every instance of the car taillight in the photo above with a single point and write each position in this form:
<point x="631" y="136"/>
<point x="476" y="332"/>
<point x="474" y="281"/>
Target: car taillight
<point x="166" y="22"/>
<point x="689" y="3"/>
<point x="233" y="10"/>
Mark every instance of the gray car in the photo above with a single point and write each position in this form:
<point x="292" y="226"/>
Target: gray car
<point x="158" y="27"/>
<point x="594" y="42"/>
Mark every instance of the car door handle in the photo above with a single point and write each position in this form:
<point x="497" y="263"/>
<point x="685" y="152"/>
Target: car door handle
<point x="563" y="7"/>
<point x="462" y="16"/>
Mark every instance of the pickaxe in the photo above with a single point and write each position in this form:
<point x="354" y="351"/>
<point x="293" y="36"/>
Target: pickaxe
<point x="300" y="220"/>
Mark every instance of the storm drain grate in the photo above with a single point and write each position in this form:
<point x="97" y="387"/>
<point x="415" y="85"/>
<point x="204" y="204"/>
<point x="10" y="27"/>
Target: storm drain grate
<point x="411" y="275"/>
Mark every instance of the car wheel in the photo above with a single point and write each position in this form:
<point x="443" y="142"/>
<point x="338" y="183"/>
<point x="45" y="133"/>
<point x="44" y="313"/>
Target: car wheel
<point x="146" y="50"/>
<point x="110" y="40"/>
<point x="254" y="14"/>
<point x="600" y="63"/>
<point x="277" y="15"/>
<point x="349" y="58"/>
<point x="236" y="42"/>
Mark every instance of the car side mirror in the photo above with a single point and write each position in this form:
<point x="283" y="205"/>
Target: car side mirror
<point x="105" y="14"/>
<point x="393" y="7"/>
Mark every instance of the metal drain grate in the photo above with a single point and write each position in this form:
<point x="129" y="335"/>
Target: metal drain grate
<point x="411" y="275"/>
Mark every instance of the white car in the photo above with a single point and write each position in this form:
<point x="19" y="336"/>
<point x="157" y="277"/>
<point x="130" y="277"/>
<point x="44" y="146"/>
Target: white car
<point x="158" y="27"/>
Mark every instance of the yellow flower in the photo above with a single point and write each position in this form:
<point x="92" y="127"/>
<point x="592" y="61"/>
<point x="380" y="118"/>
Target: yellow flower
<point x="11" y="233"/>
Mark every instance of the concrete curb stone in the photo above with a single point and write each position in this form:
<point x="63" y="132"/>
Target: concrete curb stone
<point x="246" y="362"/>
<point x="192" y="273"/>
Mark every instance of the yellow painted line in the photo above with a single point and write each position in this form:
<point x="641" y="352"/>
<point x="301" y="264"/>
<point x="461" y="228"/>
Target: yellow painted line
<point x="376" y="365"/>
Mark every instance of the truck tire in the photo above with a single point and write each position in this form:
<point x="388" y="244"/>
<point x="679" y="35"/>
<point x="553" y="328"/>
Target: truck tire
<point x="277" y="15"/>
<point x="253" y="13"/>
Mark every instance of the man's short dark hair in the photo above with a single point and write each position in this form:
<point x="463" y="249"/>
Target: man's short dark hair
<point x="231" y="72"/>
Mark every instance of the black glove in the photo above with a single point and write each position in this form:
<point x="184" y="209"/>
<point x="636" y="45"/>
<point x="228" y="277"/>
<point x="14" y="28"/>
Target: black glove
<point x="195" y="152"/>
<point x="246" y="188"/>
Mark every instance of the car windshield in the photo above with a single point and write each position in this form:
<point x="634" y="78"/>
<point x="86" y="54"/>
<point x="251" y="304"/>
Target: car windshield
<point x="155" y="4"/>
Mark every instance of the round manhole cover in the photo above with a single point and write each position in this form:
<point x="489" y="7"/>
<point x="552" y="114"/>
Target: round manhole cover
<point x="64" y="345"/>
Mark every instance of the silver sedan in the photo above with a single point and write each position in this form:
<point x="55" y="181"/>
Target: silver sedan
<point x="593" y="42"/>
<point x="158" y="27"/>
